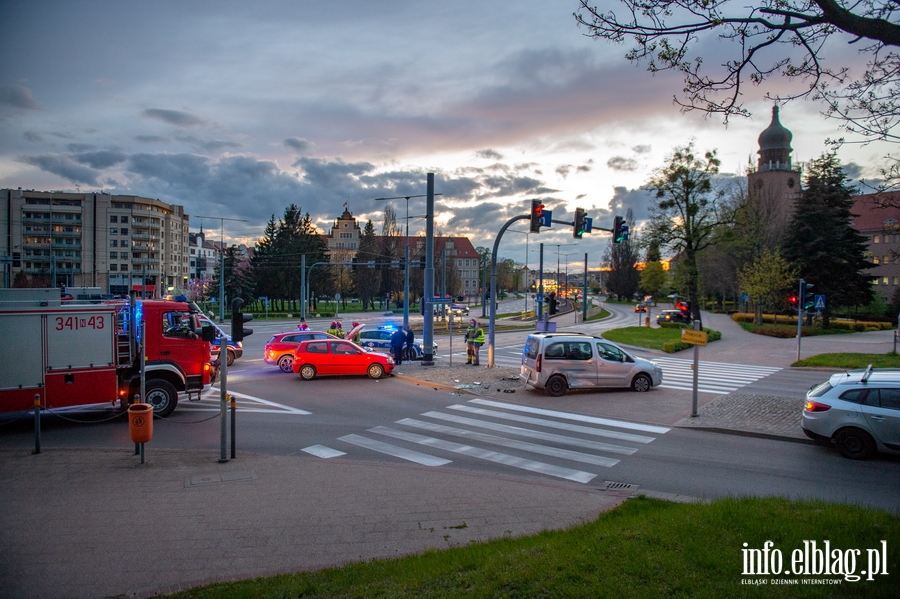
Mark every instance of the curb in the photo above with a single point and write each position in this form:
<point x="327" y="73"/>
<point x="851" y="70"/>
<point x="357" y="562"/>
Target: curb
<point x="744" y="433"/>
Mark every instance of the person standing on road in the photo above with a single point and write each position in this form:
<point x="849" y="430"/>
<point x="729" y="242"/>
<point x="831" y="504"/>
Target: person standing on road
<point x="397" y="341"/>
<point x="477" y="342"/>
<point x="333" y="329"/>
<point x="410" y="344"/>
<point x="470" y="341"/>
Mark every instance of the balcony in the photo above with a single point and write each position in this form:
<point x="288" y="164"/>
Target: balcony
<point x="140" y="236"/>
<point x="66" y="233"/>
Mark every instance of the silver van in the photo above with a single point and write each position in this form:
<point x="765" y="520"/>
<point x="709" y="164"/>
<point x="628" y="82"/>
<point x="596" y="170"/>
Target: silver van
<point x="557" y="362"/>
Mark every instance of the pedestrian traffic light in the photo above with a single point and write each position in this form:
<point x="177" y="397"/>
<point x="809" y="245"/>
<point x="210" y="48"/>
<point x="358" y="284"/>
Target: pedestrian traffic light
<point x="620" y="230"/>
<point x="537" y="215"/>
<point x="238" y="332"/>
<point x="579" y="224"/>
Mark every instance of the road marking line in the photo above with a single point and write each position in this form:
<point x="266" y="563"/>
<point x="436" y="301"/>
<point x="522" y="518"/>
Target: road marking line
<point x="575" y="428"/>
<point x="491" y="456"/>
<point x="575" y="456"/>
<point x="647" y="428"/>
<point x="525" y="432"/>
<point x="397" y="452"/>
<point x="323" y="451"/>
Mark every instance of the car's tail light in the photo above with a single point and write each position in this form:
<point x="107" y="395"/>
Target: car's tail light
<point x="814" y="406"/>
<point x="537" y="364"/>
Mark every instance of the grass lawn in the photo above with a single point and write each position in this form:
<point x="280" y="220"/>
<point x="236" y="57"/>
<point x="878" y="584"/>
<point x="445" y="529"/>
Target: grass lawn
<point x="651" y="338"/>
<point x="847" y="360"/>
<point x="644" y="548"/>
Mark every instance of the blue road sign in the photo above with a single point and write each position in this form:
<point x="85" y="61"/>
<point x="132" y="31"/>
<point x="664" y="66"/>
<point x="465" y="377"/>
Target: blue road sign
<point x="820" y="302"/>
<point x="745" y="297"/>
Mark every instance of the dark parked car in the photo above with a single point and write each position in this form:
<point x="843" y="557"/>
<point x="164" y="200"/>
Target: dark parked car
<point x="673" y="316"/>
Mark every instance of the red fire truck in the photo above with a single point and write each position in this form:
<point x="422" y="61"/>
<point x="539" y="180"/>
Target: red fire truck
<point x="69" y="354"/>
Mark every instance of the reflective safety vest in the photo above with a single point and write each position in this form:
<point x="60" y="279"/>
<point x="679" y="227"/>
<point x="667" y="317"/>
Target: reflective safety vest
<point x="333" y="331"/>
<point x="479" y="336"/>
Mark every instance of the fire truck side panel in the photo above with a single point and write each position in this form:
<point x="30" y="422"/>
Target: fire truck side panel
<point x="21" y="353"/>
<point x="80" y="387"/>
<point x="80" y="339"/>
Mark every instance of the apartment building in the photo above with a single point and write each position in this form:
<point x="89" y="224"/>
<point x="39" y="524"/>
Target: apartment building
<point x="119" y="243"/>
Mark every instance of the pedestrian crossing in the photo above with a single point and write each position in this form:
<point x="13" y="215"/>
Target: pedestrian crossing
<point x="553" y="443"/>
<point x="712" y="377"/>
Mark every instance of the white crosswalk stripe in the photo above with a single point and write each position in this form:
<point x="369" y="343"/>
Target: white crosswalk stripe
<point x="712" y="377"/>
<point x="561" y="436"/>
<point x="210" y="401"/>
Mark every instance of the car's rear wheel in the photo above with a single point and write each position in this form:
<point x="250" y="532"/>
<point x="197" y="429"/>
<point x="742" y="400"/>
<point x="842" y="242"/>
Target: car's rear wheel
<point x="285" y="362"/>
<point x="308" y="372"/>
<point x="376" y="371"/>
<point x="231" y="357"/>
<point x="556" y="385"/>
<point x="641" y="383"/>
<point x="855" y="444"/>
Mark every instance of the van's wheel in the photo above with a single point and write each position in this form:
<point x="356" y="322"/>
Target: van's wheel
<point x="308" y="372"/>
<point x="855" y="444"/>
<point x="376" y="371"/>
<point x="641" y="383"/>
<point x="230" y="357"/>
<point x="556" y="386"/>
<point x="162" y="396"/>
<point x="285" y="362"/>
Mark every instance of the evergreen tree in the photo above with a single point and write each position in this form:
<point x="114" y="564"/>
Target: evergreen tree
<point x="821" y="241"/>
<point x="367" y="279"/>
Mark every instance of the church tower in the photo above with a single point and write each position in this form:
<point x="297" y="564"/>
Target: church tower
<point x="775" y="179"/>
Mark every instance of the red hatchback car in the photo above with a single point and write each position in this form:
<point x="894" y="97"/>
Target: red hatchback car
<point x="336" y="356"/>
<point x="280" y="348"/>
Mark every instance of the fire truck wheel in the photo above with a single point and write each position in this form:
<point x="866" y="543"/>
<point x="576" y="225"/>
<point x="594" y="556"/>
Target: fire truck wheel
<point x="162" y="396"/>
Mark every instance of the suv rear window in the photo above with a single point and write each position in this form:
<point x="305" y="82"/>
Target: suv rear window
<point x="531" y="347"/>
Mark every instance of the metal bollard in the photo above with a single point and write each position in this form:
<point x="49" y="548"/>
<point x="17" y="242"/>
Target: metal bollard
<point x="233" y="426"/>
<point x="37" y="423"/>
<point x="137" y="446"/>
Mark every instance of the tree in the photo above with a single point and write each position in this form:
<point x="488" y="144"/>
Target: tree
<point x="367" y="278"/>
<point x="686" y="212"/>
<point x="767" y="280"/>
<point x="654" y="279"/>
<point x="768" y="38"/>
<point x="821" y="241"/>
<point x="624" y="278"/>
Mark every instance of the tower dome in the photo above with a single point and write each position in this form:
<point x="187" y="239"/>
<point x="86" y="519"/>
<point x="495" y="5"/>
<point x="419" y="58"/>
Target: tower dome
<point x="775" y="145"/>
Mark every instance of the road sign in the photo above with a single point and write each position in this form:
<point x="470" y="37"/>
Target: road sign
<point x="745" y="297"/>
<point x="820" y="302"/>
<point x="693" y="337"/>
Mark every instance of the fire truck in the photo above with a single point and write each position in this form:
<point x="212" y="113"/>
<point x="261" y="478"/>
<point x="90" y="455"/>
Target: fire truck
<point x="66" y="354"/>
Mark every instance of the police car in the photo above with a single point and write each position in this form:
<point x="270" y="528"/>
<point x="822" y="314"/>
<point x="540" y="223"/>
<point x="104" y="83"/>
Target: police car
<point x="379" y="339"/>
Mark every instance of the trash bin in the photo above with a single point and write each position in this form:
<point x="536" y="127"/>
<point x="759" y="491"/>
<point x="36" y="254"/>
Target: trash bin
<point x="140" y="422"/>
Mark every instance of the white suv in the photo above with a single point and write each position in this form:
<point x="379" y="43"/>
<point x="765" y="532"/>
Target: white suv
<point x="556" y="362"/>
<point x="858" y="411"/>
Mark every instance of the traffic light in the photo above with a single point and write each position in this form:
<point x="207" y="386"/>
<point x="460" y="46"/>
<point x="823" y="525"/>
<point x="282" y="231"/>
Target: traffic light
<point x="793" y="301"/>
<point x="537" y="215"/>
<point x="619" y="235"/>
<point x="806" y="298"/>
<point x="238" y="332"/>
<point x="579" y="227"/>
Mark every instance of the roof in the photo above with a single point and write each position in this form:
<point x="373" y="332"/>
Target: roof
<point x="876" y="212"/>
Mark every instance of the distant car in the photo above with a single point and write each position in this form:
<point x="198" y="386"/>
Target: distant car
<point x="459" y="309"/>
<point x="640" y="308"/>
<point x="857" y="411"/>
<point x="339" y="357"/>
<point x="279" y="350"/>
<point x="380" y="340"/>
<point x="673" y="316"/>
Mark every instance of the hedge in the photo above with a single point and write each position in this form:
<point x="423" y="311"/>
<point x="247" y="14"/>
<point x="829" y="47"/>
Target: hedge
<point x="845" y="325"/>
<point x="670" y="347"/>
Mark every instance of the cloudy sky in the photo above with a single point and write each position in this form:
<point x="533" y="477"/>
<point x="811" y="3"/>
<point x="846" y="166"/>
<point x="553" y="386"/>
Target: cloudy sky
<point x="238" y="109"/>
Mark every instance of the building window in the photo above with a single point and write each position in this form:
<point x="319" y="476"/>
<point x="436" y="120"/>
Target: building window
<point x="113" y="218"/>
<point x="124" y="220"/>
<point x="884" y="280"/>
<point x="113" y="267"/>
<point x="114" y="255"/>
<point x="113" y="230"/>
<point x="896" y="281"/>
<point x="124" y="268"/>
<point x="876" y="260"/>
<point x="113" y="243"/>
<point x="876" y="239"/>
<point x="123" y="231"/>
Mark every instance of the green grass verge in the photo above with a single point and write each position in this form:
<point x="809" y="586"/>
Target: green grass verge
<point x="644" y="549"/>
<point x="847" y="360"/>
<point x="667" y="338"/>
<point x="602" y="313"/>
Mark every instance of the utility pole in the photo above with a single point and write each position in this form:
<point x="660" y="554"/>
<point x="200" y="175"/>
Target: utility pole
<point x="222" y="220"/>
